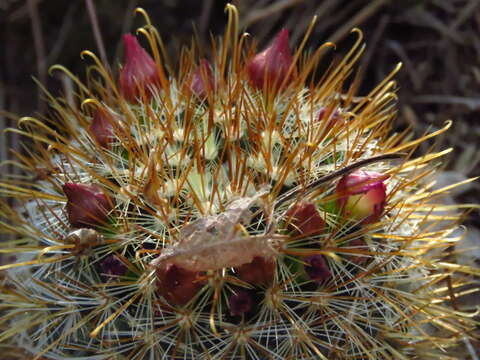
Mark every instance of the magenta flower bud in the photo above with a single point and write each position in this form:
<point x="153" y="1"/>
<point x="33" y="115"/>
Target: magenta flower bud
<point x="177" y="285"/>
<point x="305" y="219"/>
<point x="202" y="81"/>
<point x="316" y="268"/>
<point x="334" y="115"/>
<point x="87" y="205"/>
<point x="101" y="127"/>
<point x="112" y="266"/>
<point x="330" y="121"/>
<point x="362" y="195"/>
<point x="240" y="302"/>
<point x="260" y="271"/>
<point x="139" y="75"/>
<point x="270" y="67"/>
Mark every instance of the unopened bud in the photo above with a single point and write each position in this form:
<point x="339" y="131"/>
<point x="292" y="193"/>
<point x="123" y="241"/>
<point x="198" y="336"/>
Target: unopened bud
<point x="360" y="245"/>
<point x="87" y="205"/>
<point x="316" y="268"/>
<point x="202" y="81"/>
<point x="112" y="266"/>
<point x="101" y="127"/>
<point x="260" y="271"/>
<point x="270" y="67"/>
<point x="305" y="219"/>
<point x="177" y="285"/>
<point x="328" y="118"/>
<point x="362" y="195"/>
<point x="240" y="302"/>
<point x="139" y="75"/>
<point x="152" y="188"/>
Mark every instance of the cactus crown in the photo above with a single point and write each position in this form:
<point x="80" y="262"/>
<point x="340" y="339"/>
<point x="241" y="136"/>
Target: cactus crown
<point x="234" y="209"/>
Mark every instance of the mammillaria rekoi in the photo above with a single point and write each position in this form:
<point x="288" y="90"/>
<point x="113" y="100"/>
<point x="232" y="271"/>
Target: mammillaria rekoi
<point x="236" y="208"/>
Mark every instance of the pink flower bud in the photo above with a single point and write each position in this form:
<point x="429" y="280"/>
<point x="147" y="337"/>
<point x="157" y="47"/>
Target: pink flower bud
<point x="305" y="219"/>
<point x="202" y="81"/>
<point x="270" y="67"/>
<point x="101" y="127"/>
<point x="362" y="195"/>
<point x="139" y="75"/>
<point x="87" y="205"/>
<point x="323" y="112"/>
<point x="328" y="123"/>
<point x="316" y="268"/>
<point x="112" y="267"/>
<point x="177" y="285"/>
<point x="240" y="302"/>
<point x="260" y="271"/>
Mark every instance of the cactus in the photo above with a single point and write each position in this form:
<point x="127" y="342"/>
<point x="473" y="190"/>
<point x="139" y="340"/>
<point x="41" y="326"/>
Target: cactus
<point x="239" y="208"/>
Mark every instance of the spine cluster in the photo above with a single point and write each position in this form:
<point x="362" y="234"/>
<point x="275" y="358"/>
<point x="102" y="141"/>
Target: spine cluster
<point x="242" y="207"/>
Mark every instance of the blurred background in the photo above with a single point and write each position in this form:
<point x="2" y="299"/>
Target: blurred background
<point x="437" y="41"/>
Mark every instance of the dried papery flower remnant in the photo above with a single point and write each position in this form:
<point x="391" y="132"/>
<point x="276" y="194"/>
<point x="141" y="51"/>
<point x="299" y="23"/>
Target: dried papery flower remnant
<point x="229" y="208"/>
<point x="81" y="241"/>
